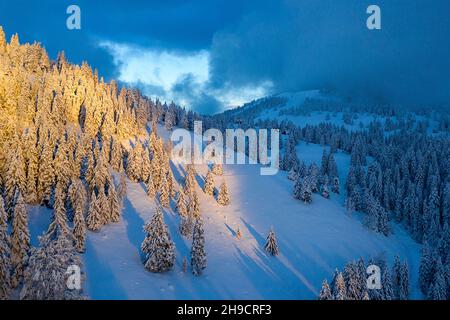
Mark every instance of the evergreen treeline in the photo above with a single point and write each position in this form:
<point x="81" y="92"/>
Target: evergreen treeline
<point x="61" y="133"/>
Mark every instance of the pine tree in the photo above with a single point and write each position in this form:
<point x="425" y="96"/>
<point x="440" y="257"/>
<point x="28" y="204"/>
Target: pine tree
<point x="94" y="219"/>
<point x="20" y="240"/>
<point x="403" y="291"/>
<point x="223" y="198"/>
<point x="386" y="284"/>
<point x="325" y="192"/>
<point x="122" y="189"/>
<point x="104" y="206"/>
<point x="3" y="223"/>
<point x="217" y="169"/>
<point x="271" y="245"/>
<point x="59" y="223"/>
<point x="5" y="254"/>
<point x="189" y="181"/>
<point x="438" y="289"/>
<point x="79" y="228"/>
<point x="2" y="41"/>
<point x="302" y="189"/>
<point x="198" y="254"/>
<point x="325" y="292"/>
<point x="332" y="167"/>
<point x="114" y="203"/>
<point x="15" y="176"/>
<point x="77" y="194"/>
<point x="396" y="275"/>
<point x="46" y="175"/>
<point x="32" y="169"/>
<point x="335" y="188"/>
<point x="151" y="192"/>
<point x="426" y="267"/>
<point x="135" y="163"/>
<point x="157" y="245"/>
<point x="181" y="205"/>
<point x="324" y="163"/>
<point x="46" y="275"/>
<point x="339" y="289"/>
<point x="186" y="215"/>
<point x="194" y="206"/>
<point x="209" y="184"/>
<point x="164" y="194"/>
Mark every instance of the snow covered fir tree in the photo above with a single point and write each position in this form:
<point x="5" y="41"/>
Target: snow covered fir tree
<point x="157" y="245"/>
<point x="89" y="186"/>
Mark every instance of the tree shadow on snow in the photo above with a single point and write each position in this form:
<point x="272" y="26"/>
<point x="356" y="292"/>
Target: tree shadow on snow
<point x="106" y="284"/>
<point x="134" y="224"/>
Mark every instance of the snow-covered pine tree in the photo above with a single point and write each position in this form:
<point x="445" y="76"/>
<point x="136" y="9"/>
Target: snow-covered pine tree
<point x="186" y="215"/>
<point x="335" y="187"/>
<point x="5" y="253"/>
<point x="293" y="175"/>
<point x="189" y="181"/>
<point x="150" y="186"/>
<point x="79" y="227"/>
<point x="3" y="223"/>
<point x="209" y="184"/>
<point x="32" y="167"/>
<point x="114" y="203"/>
<point x="104" y="205"/>
<point x="20" y="240"/>
<point x="181" y="204"/>
<point x="325" y="192"/>
<point x="116" y="155"/>
<point x="325" y="292"/>
<point x="403" y="284"/>
<point x="135" y="162"/>
<point x="194" y="206"/>
<point x="62" y="165"/>
<point x="271" y="245"/>
<point x="439" y="286"/>
<point x="46" y="275"/>
<point x="223" y="197"/>
<point x="332" y="167"/>
<point x="157" y="245"/>
<point x="198" y="253"/>
<point x="122" y="189"/>
<point x="352" y="281"/>
<point x="339" y="288"/>
<point x="59" y="223"/>
<point x="184" y="264"/>
<point x="171" y="182"/>
<point x="94" y="218"/>
<point x="146" y="165"/>
<point x="217" y="169"/>
<point x="164" y="193"/>
<point x="386" y="284"/>
<point x="15" y="176"/>
<point x="324" y="163"/>
<point x="303" y="190"/>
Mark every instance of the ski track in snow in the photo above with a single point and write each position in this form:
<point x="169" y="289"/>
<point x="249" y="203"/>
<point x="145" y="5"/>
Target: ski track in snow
<point x="314" y="239"/>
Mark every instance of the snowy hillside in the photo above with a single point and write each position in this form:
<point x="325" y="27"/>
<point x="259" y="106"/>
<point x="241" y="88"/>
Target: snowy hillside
<point x="314" y="240"/>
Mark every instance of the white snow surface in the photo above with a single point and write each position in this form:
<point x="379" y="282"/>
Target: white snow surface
<point x="314" y="239"/>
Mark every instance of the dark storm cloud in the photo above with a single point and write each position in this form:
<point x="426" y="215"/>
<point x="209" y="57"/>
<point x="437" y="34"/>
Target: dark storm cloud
<point x="293" y="44"/>
<point x="187" y="88"/>
<point x="169" y="25"/>
<point x="314" y="44"/>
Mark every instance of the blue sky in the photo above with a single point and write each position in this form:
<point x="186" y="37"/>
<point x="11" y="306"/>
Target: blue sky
<point x="213" y="54"/>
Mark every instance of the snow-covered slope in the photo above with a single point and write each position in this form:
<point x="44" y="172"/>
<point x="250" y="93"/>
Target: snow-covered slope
<point x="314" y="240"/>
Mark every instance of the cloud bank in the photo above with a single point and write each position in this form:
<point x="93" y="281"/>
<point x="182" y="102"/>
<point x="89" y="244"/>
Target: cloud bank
<point x="308" y="44"/>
